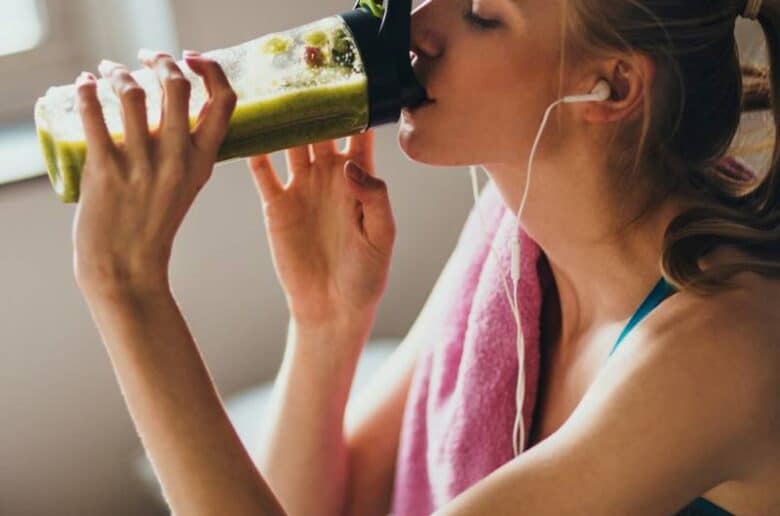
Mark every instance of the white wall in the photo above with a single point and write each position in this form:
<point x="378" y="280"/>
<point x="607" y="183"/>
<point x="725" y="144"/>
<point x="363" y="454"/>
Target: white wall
<point x="65" y="436"/>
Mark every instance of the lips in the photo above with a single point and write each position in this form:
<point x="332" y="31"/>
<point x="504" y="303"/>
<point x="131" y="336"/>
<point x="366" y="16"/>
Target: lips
<point x="420" y="74"/>
<point x="413" y="109"/>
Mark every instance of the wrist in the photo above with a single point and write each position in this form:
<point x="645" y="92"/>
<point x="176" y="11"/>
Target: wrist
<point x="125" y="276"/>
<point x="133" y="290"/>
<point x="340" y="339"/>
<point x="345" y="324"/>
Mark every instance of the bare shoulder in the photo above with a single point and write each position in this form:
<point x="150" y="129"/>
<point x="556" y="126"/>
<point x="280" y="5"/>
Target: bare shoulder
<point x="750" y="312"/>
<point x="729" y="344"/>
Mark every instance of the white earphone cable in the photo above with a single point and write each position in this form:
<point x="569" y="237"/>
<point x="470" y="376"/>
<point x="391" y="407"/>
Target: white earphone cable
<point x="475" y="191"/>
<point x="600" y="93"/>
<point x="518" y="433"/>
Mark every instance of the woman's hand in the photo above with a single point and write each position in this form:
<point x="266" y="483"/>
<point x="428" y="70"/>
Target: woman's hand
<point x="135" y="194"/>
<point x="331" y="236"/>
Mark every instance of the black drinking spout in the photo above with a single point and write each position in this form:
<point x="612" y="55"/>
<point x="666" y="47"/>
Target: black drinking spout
<point x="396" y="31"/>
<point x="395" y="27"/>
<point x="384" y="45"/>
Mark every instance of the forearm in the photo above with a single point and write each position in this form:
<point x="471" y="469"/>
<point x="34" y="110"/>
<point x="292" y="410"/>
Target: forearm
<point x="201" y="464"/>
<point x="304" y="456"/>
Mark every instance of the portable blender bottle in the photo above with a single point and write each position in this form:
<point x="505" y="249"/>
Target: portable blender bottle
<point x="327" y="79"/>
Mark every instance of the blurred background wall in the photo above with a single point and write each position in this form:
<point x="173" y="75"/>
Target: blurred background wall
<point x="66" y="440"/>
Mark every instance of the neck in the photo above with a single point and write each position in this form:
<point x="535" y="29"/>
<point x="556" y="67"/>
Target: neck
<point x="600" y="274"/>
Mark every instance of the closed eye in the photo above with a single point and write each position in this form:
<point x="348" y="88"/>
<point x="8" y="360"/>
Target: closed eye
<point x="478" y="22"/>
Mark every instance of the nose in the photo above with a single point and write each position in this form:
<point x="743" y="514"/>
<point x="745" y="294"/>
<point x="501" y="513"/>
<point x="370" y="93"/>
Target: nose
<point x="425" y="41"/>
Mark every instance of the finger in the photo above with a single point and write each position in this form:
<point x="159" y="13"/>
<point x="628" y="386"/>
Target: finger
<point x="132" y="99"/>
<point x="360" y="149"/>
<point x="266" y="181"/>
<point x="372" y="193"/>
<point x="298" y="161"/>
<point x="175" y="116"/>
<point x="99" y="142"/>
<point x="215" y="116"/>
<point x="323" y="150"/>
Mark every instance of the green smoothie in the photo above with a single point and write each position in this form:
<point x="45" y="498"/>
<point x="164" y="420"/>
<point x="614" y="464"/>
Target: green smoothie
<point x="293" y="88"/>
<point x="267" y="125"/>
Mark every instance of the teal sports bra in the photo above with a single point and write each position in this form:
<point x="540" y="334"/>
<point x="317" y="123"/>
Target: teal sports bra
<point x="662" y="290"/>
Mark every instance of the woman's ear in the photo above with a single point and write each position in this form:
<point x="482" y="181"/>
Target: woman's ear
<point x="631" y="80"/>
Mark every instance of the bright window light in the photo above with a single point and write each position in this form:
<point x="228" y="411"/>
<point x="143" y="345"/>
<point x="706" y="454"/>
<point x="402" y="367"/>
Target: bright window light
<point x="21" y="26"/>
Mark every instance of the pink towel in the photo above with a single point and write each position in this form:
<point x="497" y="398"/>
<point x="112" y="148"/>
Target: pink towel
<point x="457" y="425"/>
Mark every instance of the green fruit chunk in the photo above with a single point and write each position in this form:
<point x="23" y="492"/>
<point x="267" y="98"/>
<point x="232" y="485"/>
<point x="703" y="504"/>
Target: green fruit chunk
<point x="316" y="38"/>
<point x="343" y="50"/>
<point x="276" y="45"/>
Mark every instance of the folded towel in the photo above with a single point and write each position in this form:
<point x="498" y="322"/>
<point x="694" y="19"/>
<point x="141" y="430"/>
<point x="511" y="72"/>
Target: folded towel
<point x="459" y="416"/>
<point x="457" y="426"/>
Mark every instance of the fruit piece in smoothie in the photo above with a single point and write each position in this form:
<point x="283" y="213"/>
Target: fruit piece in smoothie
<point x="316" y="38"/>
<point x="313" y="57"/>
<point x="343" y="49"/>
<point x="276" y="45"/>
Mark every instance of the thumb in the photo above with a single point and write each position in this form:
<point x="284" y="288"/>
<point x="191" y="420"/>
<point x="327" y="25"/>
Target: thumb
<point x="377" y="215"/>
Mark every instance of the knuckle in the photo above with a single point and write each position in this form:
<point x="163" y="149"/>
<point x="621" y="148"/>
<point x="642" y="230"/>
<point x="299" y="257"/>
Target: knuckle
<point x="121" y="75"/>
<point x="140" y="178"/>
<point x="99" y="171"/>
<point x="228" y="100"/>
<point x="229" y="96"/>
<point x="85" y="93"/>
<point x="176" y="82"/>
<point x="211" y="65"/>
<point x="173" y="177"/>
<point x="132" y="92"/>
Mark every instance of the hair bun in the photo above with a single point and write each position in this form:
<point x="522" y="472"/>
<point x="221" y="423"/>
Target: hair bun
<point x="756" y="88"/>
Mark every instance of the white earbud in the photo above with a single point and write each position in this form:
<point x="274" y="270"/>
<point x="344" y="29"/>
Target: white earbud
<point x="600" y="93"/>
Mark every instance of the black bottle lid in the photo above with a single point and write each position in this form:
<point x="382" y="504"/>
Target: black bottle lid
<point x="384" y="46"/>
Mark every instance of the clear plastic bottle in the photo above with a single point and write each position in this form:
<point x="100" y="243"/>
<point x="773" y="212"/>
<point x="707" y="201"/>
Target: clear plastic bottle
<point x="303" y="85"/>
<point x="323" y="80"/>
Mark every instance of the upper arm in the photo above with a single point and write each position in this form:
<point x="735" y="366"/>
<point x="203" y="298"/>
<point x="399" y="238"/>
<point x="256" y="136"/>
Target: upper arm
<point x="372" y="427"/>
<point x="373" y="420"/>
<point x="668" y="418"/>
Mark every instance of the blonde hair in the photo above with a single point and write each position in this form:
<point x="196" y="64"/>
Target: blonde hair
<point x="689" y="125"/>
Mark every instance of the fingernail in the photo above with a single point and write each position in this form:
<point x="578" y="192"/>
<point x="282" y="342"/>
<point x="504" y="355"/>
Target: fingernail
<point x="105" y="66"/>
<point x="190" y="53"/>
<point x="354" y="173"/>
<point x="85" y="77"/>
<point x="144" y="54"/>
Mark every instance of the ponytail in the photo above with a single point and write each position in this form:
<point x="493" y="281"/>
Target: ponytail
<point x="749" y="218"/>
<point x="700" y="93"/>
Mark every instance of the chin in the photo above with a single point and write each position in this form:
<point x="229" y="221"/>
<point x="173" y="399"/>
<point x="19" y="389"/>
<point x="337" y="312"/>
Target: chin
<point x="411" y="145"/>
<point x="427" y="149"/>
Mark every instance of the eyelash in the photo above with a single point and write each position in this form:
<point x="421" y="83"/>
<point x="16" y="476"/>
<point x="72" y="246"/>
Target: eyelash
<point x="480" y="23"/>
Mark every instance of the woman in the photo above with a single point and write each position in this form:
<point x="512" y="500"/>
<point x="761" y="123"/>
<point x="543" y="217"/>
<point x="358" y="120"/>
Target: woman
<point x="687" y="412"/>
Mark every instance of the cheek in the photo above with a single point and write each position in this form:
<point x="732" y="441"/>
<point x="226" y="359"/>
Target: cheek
<point x="486" y="110"/>
<point x="476" y="130"/>
<point x="472" y="121"/>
